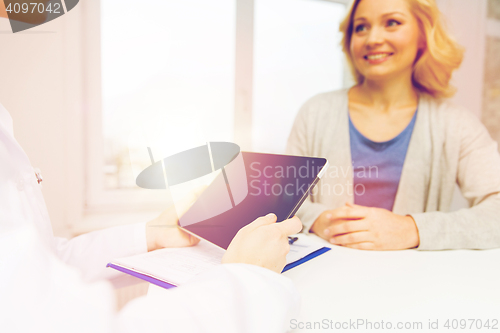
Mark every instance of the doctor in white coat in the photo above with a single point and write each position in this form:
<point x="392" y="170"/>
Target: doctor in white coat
<point x="49" y="284"/>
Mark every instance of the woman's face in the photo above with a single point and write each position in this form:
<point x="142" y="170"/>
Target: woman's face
<point x="385" y="39"/>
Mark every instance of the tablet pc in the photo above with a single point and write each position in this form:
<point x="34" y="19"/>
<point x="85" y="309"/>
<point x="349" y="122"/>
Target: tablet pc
<point x="257" y="185"/>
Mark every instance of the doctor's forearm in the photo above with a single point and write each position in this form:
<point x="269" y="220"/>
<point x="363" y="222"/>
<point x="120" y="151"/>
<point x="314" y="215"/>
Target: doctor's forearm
<point x="91" y="252"/>
<point x="229" y="298"/>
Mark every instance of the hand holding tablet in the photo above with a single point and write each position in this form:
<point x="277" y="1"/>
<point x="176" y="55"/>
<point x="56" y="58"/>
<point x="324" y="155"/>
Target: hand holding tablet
<point x="263" y="243"/>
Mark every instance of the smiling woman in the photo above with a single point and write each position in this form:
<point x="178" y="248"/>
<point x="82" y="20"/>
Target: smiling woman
<point x="437" y="54"/>
<point x="396" y="118"/>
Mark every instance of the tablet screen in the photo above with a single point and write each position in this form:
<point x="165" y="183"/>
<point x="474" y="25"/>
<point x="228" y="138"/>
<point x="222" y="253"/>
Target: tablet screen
<point x="251" y="186"/>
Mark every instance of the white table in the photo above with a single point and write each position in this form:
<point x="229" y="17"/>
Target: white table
<point x="404" y="287"/>
<point x="399" y="286"/>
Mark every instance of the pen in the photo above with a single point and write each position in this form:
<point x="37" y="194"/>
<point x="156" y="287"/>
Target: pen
<point x="292" y="240"/>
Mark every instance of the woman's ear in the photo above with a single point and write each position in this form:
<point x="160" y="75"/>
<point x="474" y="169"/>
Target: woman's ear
<point x="422" y="45"/>
<point x="422" y="41"/>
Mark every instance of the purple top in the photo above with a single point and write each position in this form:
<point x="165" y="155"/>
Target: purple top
<point x="377" y="166"/>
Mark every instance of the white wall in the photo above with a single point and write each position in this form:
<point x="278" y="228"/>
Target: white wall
<point x="467" y="21"/>
<point x="40" y="86"/>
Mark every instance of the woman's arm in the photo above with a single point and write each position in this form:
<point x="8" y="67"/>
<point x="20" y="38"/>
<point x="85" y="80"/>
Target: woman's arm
<point x="478" y="176"/>
<point x="297" y="145"/>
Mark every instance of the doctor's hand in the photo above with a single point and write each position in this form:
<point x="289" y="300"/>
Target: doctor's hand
<point x="367" y="228"/>
<point x="164" y="230"/>
<point x="263" y="243"/>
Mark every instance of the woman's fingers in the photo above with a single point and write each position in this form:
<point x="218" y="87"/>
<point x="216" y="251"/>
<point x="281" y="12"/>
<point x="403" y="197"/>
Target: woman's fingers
<point x="346" y="226"/>
<point x="348" y="213"/>
<point x="351" y="238"/>
<point x="362" y="246"/>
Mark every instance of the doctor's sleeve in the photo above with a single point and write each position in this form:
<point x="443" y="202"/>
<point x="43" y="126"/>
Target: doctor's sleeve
<point x="228" y="298"/>
<point x="91" y="252"/>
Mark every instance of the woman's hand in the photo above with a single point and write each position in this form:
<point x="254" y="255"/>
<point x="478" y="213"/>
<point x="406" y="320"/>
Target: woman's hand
<point x="263" y="243"/>
<point x="367" y="228"/>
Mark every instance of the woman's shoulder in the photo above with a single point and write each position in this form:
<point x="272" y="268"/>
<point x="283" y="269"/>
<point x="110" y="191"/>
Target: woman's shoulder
<point x="452" y="118"/>
<point x="445" y="108"/>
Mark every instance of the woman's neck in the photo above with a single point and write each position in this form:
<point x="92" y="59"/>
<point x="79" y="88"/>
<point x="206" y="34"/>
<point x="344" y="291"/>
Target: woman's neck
<point x="387" y="95"/>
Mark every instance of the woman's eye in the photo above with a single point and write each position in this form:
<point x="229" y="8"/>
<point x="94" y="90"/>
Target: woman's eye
<point x="392" y="23"/>
<point x="359" y="28"/>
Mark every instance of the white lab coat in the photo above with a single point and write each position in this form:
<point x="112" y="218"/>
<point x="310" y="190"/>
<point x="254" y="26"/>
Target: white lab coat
<point x="45" y="281"/>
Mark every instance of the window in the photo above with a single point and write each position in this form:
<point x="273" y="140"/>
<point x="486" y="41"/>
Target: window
<point x="182" y="58"/>
<point x="177" y="58"/>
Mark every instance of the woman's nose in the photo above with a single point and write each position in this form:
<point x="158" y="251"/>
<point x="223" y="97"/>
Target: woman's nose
<point x="375" y="37"/>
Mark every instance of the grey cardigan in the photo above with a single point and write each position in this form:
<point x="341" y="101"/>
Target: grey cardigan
<point x="449" y="145"/>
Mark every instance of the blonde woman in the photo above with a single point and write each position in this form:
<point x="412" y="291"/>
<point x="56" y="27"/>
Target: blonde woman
<point x="396" y="146"/>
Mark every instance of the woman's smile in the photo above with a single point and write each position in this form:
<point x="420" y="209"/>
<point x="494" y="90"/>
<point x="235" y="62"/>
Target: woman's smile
<point x="378" y="57"/>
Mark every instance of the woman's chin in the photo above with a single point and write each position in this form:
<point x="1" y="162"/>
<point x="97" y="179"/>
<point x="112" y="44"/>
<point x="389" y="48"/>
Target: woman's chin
<point x="379" y="77"/>
<point x="383" y="75"/>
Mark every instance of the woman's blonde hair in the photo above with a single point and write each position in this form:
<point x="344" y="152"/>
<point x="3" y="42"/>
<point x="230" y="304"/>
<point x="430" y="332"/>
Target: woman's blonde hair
<point x="434" y="64"/>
